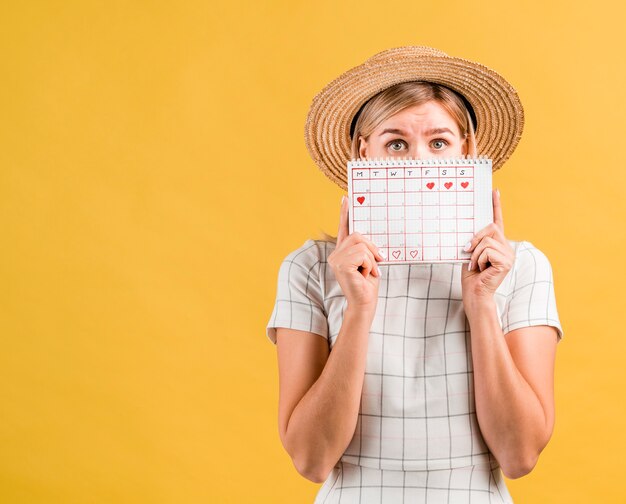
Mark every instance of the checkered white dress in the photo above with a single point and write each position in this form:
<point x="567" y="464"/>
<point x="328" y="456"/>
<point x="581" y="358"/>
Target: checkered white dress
<point x="417" y="437"/>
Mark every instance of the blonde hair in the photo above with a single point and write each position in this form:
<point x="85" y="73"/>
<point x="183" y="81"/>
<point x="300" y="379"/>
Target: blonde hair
<point x="400" y="96"/>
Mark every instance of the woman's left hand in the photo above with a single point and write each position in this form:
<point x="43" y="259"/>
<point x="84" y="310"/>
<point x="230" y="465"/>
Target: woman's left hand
<point x="492" y="258"/>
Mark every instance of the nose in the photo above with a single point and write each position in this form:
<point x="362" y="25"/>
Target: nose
<point x="418" y="150"/>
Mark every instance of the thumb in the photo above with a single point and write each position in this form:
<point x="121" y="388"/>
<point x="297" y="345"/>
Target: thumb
<point x="465" y="272"/>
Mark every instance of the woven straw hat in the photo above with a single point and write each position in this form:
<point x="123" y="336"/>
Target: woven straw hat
<point x="494" y="105"/>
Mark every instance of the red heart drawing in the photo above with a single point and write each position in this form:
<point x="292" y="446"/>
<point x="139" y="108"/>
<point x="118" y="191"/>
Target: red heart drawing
<point x="448" y="185"/>
<point x="430" y="185"/>
<point x="361" y="199"/>
<point x="464" y="184"/>
<point x="413" y="253"/>
<point x="396" y="253"/>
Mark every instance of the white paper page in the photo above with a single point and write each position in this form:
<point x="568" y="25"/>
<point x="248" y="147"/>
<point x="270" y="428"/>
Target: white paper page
<point x="420" y="210"/>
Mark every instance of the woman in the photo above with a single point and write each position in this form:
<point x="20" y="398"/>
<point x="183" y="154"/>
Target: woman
<point x="428" y="380"/>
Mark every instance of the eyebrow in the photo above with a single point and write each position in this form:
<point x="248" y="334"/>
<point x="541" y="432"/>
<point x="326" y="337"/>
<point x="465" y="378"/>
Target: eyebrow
<point x="432" y="131"/>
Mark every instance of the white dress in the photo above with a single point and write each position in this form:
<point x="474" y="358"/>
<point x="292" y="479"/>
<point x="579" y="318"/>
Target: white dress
<point x="417" y="437"/>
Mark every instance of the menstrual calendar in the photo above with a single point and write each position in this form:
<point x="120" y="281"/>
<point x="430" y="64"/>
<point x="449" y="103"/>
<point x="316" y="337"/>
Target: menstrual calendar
<point x="420" y="210"/>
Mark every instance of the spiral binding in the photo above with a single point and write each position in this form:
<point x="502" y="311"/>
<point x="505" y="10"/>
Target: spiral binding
<point x="410" y="161"/>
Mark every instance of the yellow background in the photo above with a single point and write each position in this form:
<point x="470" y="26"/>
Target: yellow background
<point x="153" y="175"/>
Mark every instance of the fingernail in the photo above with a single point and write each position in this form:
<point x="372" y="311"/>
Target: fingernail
<point x="382" y="253"/>
<point x="343" y="198"/>
<point x="469" y="266"/>
<point x="498" y="191"/>
<point x="467" y="246"/>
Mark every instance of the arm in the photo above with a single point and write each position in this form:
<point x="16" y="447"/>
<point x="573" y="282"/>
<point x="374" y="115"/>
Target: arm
<point x="513" y="373"/>
<point x="514" y="388"/>
<point x="319" y="399"/>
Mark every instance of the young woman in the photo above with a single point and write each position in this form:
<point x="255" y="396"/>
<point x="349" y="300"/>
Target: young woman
<point x="414" y="382"/>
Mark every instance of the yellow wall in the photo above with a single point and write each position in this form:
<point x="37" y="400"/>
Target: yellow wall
<point x="153" y="175"/>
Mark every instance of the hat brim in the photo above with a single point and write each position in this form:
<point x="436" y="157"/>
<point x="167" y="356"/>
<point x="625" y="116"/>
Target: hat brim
<point x="497" y="106"/>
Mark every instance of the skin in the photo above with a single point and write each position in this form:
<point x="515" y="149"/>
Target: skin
<point x="416" y="140"/>
<point x="320" y="391"/>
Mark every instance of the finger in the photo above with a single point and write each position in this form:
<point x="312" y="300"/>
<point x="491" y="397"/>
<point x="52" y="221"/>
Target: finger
<point x="343" y="221"/>
<point x="369" y="259"/>
<point x="491" y="230"/>
<point x="363" y="260"/>
<point x="491" y="256"/>
<point x="359" y="238"/>
<point x="483" y="259"/>
<point x="374" y="271"/>
<point x="374" y="250"/>
<point x="497" y="211"/>
<point x="486" y="242"/>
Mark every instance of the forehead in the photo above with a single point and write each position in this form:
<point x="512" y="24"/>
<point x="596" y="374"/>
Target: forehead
<point x="416" y="118"/>
<point x="429" y="111"/>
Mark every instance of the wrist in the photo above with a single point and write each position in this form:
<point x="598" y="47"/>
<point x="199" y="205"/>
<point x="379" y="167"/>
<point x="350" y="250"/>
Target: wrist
<point x="479" y="307"/>
<point x="365" y="312"/>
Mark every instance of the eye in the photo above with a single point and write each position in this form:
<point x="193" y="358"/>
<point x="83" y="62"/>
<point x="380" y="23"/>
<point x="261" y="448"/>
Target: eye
<point x="440" y="141"/>
<point x="396" y="145"/>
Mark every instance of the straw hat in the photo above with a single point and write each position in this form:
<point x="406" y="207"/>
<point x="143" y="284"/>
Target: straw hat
<point x="494" y="105"/>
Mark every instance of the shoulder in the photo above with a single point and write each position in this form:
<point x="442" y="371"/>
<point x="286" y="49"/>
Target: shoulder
<point x="307" y="259"/>
<point x="310" y="253"/>
<point x="530" y="261"/>
<point x="527" y="252"/>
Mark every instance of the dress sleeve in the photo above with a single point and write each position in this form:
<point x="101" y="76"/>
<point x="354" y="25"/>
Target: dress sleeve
<point x="531" y="300"/>
<point x="299" y="299"/>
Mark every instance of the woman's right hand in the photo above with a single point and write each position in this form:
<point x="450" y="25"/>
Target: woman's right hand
<point x="354" y="263"/>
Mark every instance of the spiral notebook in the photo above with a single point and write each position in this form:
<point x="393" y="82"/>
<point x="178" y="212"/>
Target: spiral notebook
<point x="420" y="210"/>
